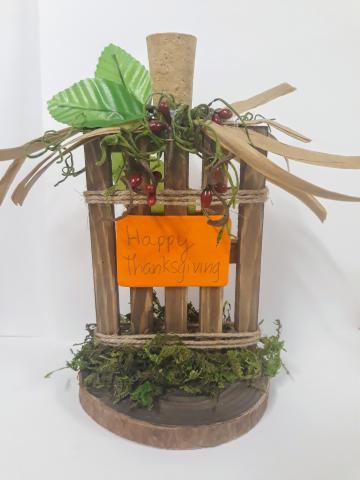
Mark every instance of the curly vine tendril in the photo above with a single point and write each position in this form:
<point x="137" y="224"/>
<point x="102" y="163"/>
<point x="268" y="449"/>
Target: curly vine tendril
<point x="185" y="129"/>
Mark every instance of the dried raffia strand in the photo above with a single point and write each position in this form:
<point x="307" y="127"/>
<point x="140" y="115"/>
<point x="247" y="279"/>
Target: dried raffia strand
<point x="52" y="141"/>
<point x="33" y="146"/>
<point x="187" y="128"/>
<point x="9" y="176"/>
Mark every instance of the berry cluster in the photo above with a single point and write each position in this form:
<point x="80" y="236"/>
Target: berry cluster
<point x="221" y="114"/>
<point x="137" y="182"/>
<point x="216" y="184"/>
<point x="159" y="117"/>
<point x="161" y="120"/>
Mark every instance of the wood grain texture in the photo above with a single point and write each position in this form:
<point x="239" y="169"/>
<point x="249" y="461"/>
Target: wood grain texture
<point x="234" y="250"/>
<point x="249" y="247"/>
<point x="103" y="246"/>
<point x="211" y="298"/>
<point x="179" y="421"/>
<point x="211" y="301"/>
<point x="176" y="177"/>
<point x="141" y="298"/>
<point x="171" y="62"/>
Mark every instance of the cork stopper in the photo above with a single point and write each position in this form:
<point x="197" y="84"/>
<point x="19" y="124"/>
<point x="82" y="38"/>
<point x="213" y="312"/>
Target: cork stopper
<point x="171" y="61"/>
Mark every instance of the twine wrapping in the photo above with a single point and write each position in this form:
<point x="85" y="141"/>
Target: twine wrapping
<point x="197" y="341"/>
<point x="173" y="197"/>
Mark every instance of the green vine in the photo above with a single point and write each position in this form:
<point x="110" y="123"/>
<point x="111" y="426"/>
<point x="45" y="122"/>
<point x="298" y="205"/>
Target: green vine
<point x="184" y="126"/>
<point x="117" y="108"/>
<point x="143" y="142"/>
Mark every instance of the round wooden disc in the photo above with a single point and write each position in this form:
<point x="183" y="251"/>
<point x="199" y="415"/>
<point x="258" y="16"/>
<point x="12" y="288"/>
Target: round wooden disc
<point x="179" y="421"/>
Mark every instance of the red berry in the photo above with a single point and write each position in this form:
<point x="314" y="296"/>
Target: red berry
<point x="135" y="180"/>
<point x="163" y="108"/>
<point x="216" y="118"/>
<point x="157" y="175"/>
<point x="150" y="188"/>
<point x="156" y="126"/>
<point x="206" y="198"/>
<point x="225" y="113"/>
<point x="151" y="200"/>
<point x="221" y="187"/>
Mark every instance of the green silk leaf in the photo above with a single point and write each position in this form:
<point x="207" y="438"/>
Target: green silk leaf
<point x="94" y="103"/>
<point x="132" y="73"/>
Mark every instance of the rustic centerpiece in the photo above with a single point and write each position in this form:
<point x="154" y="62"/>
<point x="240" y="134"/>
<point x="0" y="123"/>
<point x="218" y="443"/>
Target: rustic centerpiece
<point x="171" y="376"/>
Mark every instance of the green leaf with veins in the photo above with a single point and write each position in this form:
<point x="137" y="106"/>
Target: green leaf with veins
<point x="94" y="103"/>
<point x="118" y="66"/>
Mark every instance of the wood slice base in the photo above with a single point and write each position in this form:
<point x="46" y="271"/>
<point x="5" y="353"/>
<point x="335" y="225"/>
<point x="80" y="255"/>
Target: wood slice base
<point x="179" y="421"/>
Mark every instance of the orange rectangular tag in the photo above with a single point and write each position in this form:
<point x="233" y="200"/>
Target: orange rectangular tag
<point x="159" y="251"/>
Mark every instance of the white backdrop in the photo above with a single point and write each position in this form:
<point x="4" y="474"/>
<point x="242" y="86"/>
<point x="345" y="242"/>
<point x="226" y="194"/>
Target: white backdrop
<point x="311" y="271"/>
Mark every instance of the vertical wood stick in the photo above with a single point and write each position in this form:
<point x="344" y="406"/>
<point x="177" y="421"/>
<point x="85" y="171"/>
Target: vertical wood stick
<point x="248" y="266"/>
<point x="140" y="297"/>
<point x="171" y="60"/>
<point x="141" y="307"/>
<point x="211" y="309"/>
<point x="211" y="298"/>
<point x="103" y="249"/>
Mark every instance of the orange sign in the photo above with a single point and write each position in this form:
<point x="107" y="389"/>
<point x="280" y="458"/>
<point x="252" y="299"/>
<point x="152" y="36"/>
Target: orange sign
<point x="159" y="251"/>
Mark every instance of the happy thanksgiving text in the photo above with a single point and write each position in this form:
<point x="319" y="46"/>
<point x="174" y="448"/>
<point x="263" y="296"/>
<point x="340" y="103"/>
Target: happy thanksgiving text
<point x="169" y="254"/>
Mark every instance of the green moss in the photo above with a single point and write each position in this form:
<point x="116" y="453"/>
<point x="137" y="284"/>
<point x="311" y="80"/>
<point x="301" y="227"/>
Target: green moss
<point x="165" y="364"/>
